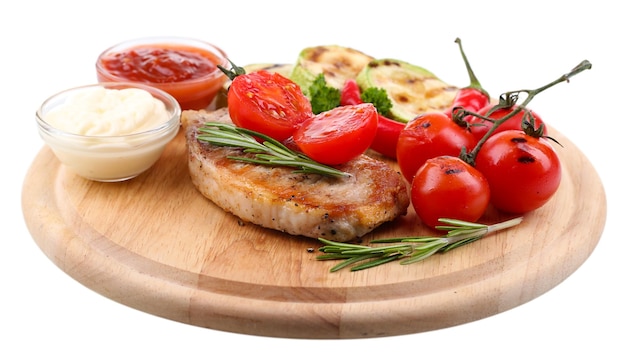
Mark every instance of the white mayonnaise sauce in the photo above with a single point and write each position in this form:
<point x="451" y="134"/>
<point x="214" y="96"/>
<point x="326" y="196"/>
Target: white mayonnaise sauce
<point x="106" y="143"/>
<point x="108" y="112"/>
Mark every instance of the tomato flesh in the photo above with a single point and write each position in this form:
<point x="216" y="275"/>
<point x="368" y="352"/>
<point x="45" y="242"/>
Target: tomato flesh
<point x="524" y="172"/>
<point x="338" y="135"/>
<point x="268" y="103"/>
<point x="448" y="187"/>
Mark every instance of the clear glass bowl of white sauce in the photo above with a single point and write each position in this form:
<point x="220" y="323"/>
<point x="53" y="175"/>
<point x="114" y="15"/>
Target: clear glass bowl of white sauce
<point x="109" y="132"/>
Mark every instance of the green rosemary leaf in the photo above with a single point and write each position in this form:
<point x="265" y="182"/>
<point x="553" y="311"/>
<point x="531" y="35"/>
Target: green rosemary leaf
<point x="375" y="262"/>
<point x="411" y="249"/>
<point x="331" y="256"/>
<point x="460" y="243"/>
<point x="435" y="244"/>
<point x="407" y="239"/>
<point x="454" y="223"/>
<point x="269" y="152"/>
<point x="348" y="262"/>
<point x="381" y="250"/>
<point x="421" y="255"/>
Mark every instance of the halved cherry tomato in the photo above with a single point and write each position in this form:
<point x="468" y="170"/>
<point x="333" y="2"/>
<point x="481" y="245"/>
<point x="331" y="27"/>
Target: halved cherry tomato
<point x="448" y="187"/>
<point x="427" y="136"/>
<point x="338" y="135"/>
<point x="479" y="127"/>
<point x="268" y="103"/>
<point x="523" y="171"/>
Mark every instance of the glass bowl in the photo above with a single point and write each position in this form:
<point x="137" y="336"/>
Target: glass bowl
<point x="94" y="130"/>
<point x="186" y="68"/>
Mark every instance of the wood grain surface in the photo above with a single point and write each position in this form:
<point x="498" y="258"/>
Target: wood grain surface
<point x="155" y="244"/>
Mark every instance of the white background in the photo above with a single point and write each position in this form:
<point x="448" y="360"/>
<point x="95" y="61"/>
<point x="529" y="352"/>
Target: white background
<point x="52" y="45"/>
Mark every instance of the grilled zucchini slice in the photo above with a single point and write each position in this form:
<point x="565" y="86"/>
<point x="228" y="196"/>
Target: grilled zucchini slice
<point x="412" y="89"/>
<point x="336" y="62"/>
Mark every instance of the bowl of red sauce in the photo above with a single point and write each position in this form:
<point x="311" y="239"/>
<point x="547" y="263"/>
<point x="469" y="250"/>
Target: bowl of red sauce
<point x="185" y="68"/>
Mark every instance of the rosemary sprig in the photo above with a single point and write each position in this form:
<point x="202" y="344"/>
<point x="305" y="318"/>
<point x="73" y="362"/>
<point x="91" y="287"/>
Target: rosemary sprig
<point x="268" y="151"/>
<point x="410" y="249"/>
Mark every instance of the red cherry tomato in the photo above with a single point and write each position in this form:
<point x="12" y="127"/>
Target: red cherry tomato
<point x="427" y="136"/>
<point x="523" y="171"/>
<point x="448" y="187"/>
<point x="479" y="127"/>
<point x="268" y="103"/>
<point x="338" y="135"/>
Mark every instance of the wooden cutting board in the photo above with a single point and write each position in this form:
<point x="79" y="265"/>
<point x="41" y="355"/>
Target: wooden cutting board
<point x="155" y="244"/>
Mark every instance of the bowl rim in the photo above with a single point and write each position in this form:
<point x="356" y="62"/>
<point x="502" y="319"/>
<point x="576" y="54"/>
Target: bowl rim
<point x="171" y="104"/>
<point x="163" y="40"/>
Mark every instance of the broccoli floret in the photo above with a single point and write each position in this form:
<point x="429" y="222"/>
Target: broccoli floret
<point x="323" y="97"/>
<point x="378" y="97"/>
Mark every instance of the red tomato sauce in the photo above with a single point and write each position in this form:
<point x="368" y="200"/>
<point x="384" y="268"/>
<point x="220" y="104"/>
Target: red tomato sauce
<point x="160" y="64"/>
<point x="188" y="72"/>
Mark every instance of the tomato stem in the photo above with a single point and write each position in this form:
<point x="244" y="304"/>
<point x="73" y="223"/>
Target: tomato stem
<point x="233" y="72"/>
<point x="508" y="100"/>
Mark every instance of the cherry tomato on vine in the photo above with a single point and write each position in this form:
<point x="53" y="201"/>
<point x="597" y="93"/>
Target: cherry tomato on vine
<point x="427" y="136"/>
<point x="339" y="135"/>
<point x="268" y="103"/>
<point x="479" y="127"/>
<point x="523" y="171"/>
<point x="448" y="187"/>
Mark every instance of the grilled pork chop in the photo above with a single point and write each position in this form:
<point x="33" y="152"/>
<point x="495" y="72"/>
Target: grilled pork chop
<point x="311" y="205"/>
